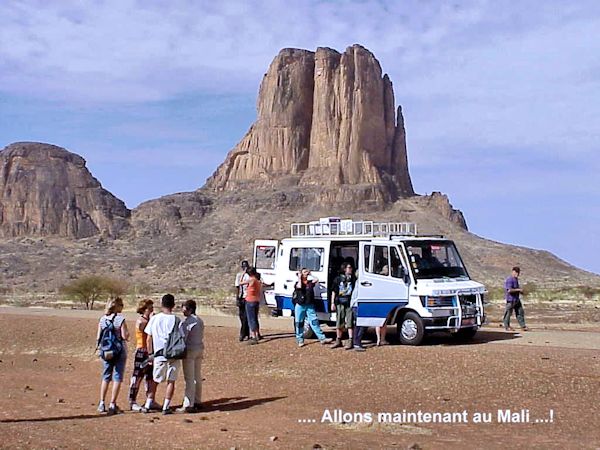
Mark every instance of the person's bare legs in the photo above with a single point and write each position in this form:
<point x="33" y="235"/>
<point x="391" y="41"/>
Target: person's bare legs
<point x="115" y="392"/>
<point x="103" y="390"/>
<point x="169" y="394"/>
<point x="381" y="334"/>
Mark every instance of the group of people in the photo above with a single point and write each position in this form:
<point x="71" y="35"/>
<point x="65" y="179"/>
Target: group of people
<point x="248" y="295"/>
<point x="249" y="292"/>
<point x="152" y="362"/>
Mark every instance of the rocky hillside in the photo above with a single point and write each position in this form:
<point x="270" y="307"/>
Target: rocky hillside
<point x="328" y="141"/>
<point x="47" y="191"/>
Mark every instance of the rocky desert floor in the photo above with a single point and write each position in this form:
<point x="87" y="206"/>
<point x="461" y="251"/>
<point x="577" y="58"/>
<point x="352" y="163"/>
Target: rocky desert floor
<point x="267" y="396"/>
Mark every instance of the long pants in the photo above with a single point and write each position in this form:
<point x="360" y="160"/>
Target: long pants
<point x="307" y="312"/>
<point x="517" y="307"/>
<point x="358" y="331"/>
<point x="244" y="330"/>
<point x="192" y="372"/>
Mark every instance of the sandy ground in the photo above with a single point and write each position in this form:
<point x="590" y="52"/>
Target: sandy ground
<point x="267" y="396"/>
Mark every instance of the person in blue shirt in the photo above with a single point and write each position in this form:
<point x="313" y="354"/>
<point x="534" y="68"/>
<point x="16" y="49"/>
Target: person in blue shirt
<point x="513" y="292"/>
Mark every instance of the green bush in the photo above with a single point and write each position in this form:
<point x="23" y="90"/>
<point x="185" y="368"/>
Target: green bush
<point x="89" y="289"/>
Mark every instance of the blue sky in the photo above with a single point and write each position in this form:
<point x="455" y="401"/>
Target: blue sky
<point x="501" y="98"/>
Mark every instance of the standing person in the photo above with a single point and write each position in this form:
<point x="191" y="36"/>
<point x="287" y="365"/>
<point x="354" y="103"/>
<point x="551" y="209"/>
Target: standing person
<point x="343" y="286"/>
<point x="513" y="300"/>
<point x="142" y="364"/>
<point x="253" y="294"/>
<point x="158" y="329"/>
<point x="241" y="300"/>
<point x="305" y="308"/>
<point x="112" y="328"/>
<point x="193" y="330"/>
<point x="358" y="330"/>
<point x="381" y="333"/>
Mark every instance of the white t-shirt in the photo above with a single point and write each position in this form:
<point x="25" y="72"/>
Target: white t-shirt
<point x="159" y="327"/>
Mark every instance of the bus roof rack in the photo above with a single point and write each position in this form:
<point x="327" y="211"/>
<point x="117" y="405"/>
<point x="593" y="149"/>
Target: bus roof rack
<point x="333" y="226"/>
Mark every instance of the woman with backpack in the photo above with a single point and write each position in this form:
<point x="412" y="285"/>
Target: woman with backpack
<point x="112" y="345"/>
<point x="304" y="300"/>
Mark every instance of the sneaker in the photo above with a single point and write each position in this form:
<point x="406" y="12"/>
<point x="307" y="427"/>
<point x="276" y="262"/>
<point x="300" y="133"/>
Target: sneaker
<point x="338" y="344"/>
<point x="135" y="407"/>
<point x="509" y="329"/>
<point x="154" y="406"/>
<point x="112" y="410"/>
<point x="144" y="410"/>
<point x="524" y="329"/>
<point x="382" y="343"/>
<point x="301" y="344"/>
<point x="359" y="348"/>
<point x="167" y="411"/>
<point x="349" y="345"/>
<point x="326" y="341"/>
<point x="101" y="407"/>
<point x="260" y="338"/>
<point x="186" y="409"/>
<point x="252" y="341"/>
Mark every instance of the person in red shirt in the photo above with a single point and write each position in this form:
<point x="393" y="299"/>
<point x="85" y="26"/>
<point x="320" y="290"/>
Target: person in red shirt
<point x="253" y="293"/>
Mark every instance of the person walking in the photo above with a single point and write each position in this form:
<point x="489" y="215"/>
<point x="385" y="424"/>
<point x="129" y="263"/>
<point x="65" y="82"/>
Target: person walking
<point x="513" y="294"/>
<point x="304" y="297"/>
<point x="142" y="364"/>
<point x="158" y="329"/>
<point x="193" y="331"/>
<point x="112" y="339"/>
<point x="343" y="287"/>
<point x="240" y="277"/>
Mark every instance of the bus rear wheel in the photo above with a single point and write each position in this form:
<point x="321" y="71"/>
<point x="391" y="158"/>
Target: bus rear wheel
<point x="411" y="329"/>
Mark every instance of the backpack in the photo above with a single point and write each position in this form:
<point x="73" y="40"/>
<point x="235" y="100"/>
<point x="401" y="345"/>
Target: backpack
<point x="109" y="345"/>
<point x="175" y="346"/>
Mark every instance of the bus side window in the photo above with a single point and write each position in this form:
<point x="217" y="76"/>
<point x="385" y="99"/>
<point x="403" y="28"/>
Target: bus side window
<point x="367" y="259"/>
<point x="381" y="264"/>
<point x="397" y="268"/>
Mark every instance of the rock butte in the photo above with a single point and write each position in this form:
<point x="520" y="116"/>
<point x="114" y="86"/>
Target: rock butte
<point x="324" y="119"/>
<point x="46" y="190"/>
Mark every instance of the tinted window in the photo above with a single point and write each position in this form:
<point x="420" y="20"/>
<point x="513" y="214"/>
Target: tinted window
<point x="367" y="260"/>
<point x="435" y="259"/>
<point x="309" y="258"/>
<point x="265" y="257"/>
<point x="381" y="263"/>
<point x="397" y="269"/>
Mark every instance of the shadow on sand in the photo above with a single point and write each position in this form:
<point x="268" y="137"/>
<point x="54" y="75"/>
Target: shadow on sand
<point x="221" y="404"/>
<point x="235" y="403"/>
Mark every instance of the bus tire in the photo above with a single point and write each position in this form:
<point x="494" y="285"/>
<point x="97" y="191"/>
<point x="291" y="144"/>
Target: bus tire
<point x="308" y="332"/>
<point x="411" y="329"/>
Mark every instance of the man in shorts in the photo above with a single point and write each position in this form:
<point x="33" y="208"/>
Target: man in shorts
<point x="158" y="330"/>
<point x="343" y="286"/>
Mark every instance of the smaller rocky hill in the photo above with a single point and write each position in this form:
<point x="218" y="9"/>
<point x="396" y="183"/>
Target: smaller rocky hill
<point x="47" y="191"/>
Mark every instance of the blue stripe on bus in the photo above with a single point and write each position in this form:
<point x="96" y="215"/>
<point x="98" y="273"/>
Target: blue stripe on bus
<point x="378" y="309"/>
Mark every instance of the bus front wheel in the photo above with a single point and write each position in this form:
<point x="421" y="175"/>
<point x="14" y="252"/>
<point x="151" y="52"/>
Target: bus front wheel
<point x="411" y="329"/>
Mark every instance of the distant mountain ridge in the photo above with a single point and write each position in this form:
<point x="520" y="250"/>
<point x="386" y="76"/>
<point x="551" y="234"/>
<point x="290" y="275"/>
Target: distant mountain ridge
<point x="328" y="141"/>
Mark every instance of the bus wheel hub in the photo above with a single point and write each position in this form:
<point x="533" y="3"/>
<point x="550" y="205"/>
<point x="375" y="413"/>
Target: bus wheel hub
<point x="409" y="329"/>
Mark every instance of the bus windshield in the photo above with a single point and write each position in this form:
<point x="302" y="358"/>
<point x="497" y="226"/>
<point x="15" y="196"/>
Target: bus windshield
<point x="435" y="259"/>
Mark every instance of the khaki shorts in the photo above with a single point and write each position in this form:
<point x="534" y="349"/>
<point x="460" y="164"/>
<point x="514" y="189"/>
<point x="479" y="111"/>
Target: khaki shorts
<point x="344" y="317"/>
<point x="165" y="370"/>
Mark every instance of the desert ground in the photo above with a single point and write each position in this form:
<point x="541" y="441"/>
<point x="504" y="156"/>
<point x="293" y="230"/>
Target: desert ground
<point x="266" y="396"/>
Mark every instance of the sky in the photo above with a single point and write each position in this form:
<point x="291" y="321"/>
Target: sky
<point x="501" y="99"/>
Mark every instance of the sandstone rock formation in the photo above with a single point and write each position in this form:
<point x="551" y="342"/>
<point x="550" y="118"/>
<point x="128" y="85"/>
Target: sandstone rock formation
<point x="324" y="119"/>
<point x="46" y="190"/>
